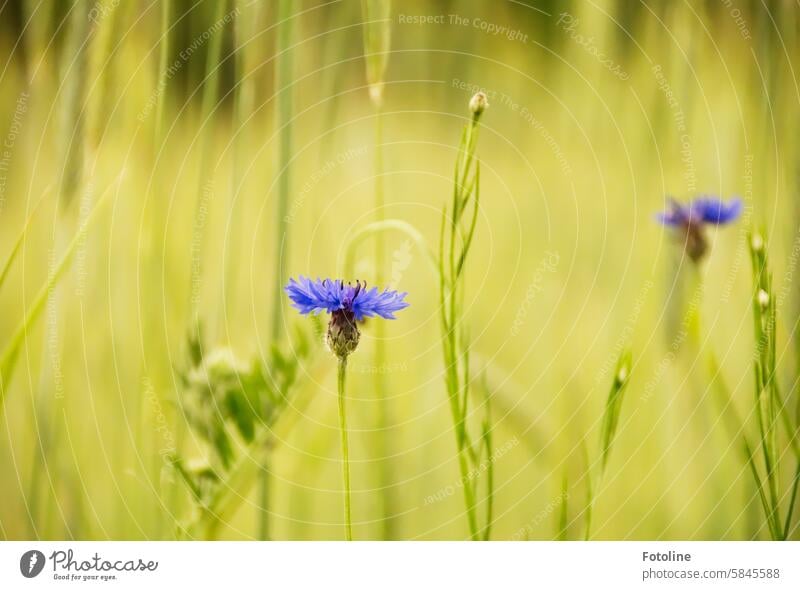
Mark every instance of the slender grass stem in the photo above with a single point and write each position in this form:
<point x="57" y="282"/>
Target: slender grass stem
<point x="767" y="400"/>
<point x="563" y="513"/>
<point x="376" y="32"/>
<point x="454" y="246"/>
<point x="242" y="106"/>
<point x="18" y="244"/>
<point x="9" y="356"/>
<point x="163" y="54"/>
<point x="205" y="177"/>
<point x="766" y="488"/>
<point x="589" y="491"/>
<point x="380" y="384"/>
<point x="487" y="439"/>
<point x="607" y="434"/>
<point x="283" y="82"/>
<point x="736" y="429"/>
<point x="341" y="374"/>
<point x="792" y="496"/>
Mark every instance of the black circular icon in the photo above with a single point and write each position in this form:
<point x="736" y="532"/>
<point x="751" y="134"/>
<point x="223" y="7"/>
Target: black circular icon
<point x="31" y="563"/>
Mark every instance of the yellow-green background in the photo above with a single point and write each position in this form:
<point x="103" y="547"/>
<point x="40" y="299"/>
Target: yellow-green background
<point x="95" y="398"/>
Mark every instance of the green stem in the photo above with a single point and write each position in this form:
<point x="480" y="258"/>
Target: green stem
<point x="283" y="84"/>
<point x="590" y="490"/>
<point x="772" y="486"/>
<point x="382" y="401"/>
<point x="163" y="52"/>
<point x="487" y="438"/>
<point x="18" y="244"/>
<point x="205" y="177"/>
<point x="792" y="496"/>
<point x="283" y="81"/>
<point x="242" y="106"/>
<point x="453" y="344"/>
<point x="345" y="452"/>
<point x="735" y="428"/>
<point x="563" y="514"/>
<point x="9" y="356"/>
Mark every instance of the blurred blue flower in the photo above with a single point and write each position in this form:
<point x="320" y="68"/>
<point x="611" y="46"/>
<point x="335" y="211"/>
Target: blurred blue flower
<point x="705" y="209"/>
<point x="691" y="219"/>
<point x="333" y="295"/>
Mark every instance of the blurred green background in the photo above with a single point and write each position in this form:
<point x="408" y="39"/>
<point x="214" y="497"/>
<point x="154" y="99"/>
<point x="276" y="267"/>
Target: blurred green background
<point x="598" y="110"/>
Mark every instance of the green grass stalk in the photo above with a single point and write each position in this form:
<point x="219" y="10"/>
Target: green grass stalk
<point x="377" y="42"/>
<point x="736" y="429"/>
<point x="766" y="489"/>
<point x="562" y="531"/>
<point x="163" y="54"/>
<point x="284" y="109"/>
<point x="18" y="243"/>
<point x="340" y="381"/>
<point x="243" y="93"/>
<point x="486" y="436"/>
<point x="455" y="240"/>
<point x="209" y="95"/>
<point x="608" y="432"/>
<point x="73" y="142"/>
<point x="770" y="407"/>
<point x="10" y="353"/>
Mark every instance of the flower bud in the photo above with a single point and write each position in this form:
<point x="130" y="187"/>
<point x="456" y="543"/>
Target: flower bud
<point x="763" y="298"/>
<point x="622" y="375"/>
<point x="343" y="334"/>
<point x="478" y="103"/>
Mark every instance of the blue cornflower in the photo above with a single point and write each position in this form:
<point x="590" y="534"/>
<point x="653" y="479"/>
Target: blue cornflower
<point x="347" y="305"/>
<point x="692" y="218"/>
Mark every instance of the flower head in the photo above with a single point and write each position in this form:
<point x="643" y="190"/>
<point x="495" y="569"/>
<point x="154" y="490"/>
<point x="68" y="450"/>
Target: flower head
<point x="347" y="305"/>
<point x="478" y="103"/>
<point x="703" y="209"/>
<point x="333" y="295"/>
<point x="694" y="216"/>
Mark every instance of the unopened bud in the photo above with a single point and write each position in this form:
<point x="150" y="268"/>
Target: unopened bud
<point x="763" y="298"/>
<point x="478" y="103"/>
<point x="622" y="374"/>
